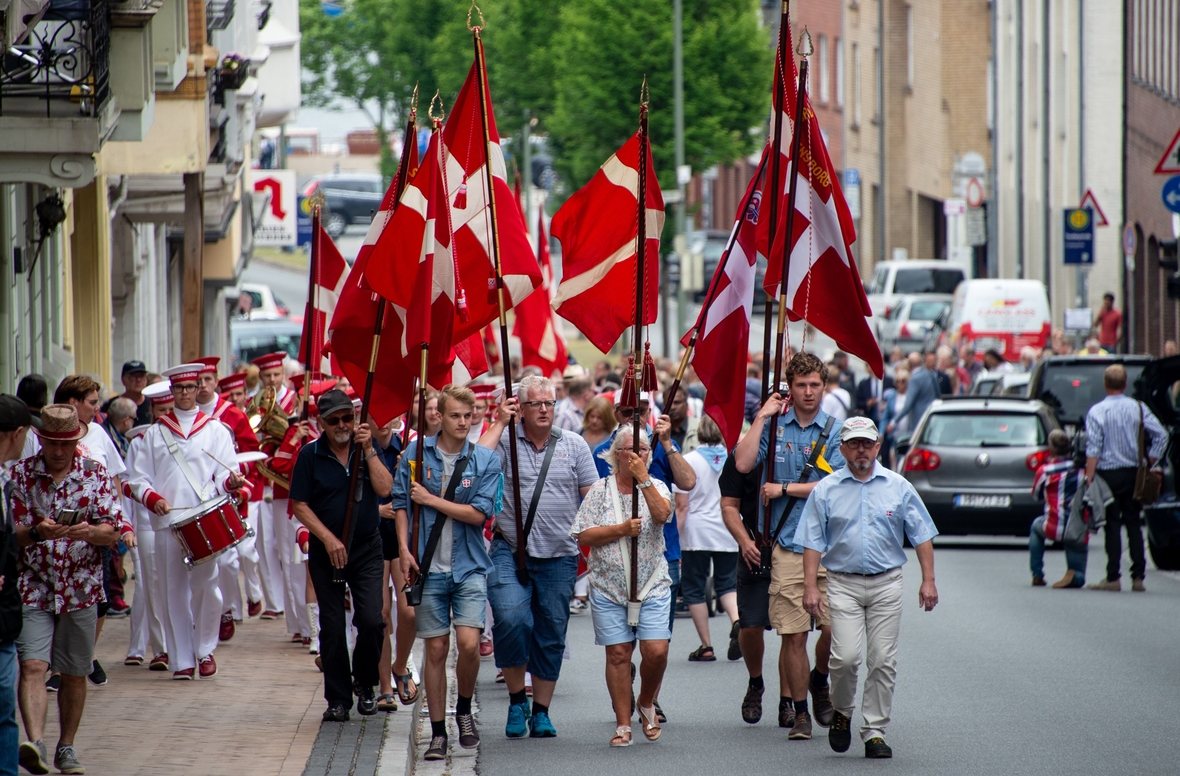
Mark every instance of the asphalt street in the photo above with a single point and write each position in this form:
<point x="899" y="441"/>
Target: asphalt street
<point x="1001" y="678"/>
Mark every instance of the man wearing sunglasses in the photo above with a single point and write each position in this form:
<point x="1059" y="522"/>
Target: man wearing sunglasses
<point x="319" y="494"/>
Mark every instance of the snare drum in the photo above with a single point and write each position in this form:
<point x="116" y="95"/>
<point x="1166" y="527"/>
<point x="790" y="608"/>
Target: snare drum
<point x="208" y="530"/>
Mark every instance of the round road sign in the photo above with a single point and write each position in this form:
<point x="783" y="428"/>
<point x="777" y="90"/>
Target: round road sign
<point x="974" y="192"/>
<point x="1130" y="240"/>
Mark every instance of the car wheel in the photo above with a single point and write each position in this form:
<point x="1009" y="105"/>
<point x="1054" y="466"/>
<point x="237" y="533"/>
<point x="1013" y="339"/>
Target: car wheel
<point x="335" y="225"/>
<point x="1166" y="558"/>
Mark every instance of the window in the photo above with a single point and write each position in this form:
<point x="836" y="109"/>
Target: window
<point x="909" y="40"/>
<point x="840" y="72"/>
<point x="984" y="429"/>
<point x="855" y="85"/>
<point x="825" y="91"/>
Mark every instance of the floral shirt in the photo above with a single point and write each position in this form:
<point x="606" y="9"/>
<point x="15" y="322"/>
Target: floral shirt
<point x="62" y="575"/>
<point x="608" y="573"/>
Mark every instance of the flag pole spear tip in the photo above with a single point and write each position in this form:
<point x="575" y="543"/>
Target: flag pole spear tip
<point x="482" y="23"/>
<point x="436" y="99"/>
<point x="804" y="38"/>
<point x="414" y="101"/>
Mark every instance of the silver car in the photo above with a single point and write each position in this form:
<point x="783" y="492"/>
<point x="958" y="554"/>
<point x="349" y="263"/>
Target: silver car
<point x="910" y="320"/>
<point x="973" y="459"/>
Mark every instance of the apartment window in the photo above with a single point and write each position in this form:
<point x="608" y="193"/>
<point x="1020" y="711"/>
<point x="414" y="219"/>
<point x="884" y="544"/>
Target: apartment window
<point x="825" y="91"/>
<point x="909" y="39"/>
<point x="855" y="85"/>
<point x="840" y="72"/>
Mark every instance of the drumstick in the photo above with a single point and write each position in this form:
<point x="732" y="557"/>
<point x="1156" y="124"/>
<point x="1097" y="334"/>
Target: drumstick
<point x="234" y="469"/>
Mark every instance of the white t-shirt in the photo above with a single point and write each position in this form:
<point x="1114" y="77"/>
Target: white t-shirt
<point x="96" y="444"/>
<point x="441" y="562"/>
<point x="702" y="528"/>
<point x="836" y="403"/>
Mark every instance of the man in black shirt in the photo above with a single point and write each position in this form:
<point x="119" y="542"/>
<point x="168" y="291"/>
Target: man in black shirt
<point x="319" y="492"/>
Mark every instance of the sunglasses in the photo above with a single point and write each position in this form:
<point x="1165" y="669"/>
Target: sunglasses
<point x="336" y="420"/>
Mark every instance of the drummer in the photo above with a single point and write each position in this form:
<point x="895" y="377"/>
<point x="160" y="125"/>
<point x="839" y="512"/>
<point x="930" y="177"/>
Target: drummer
<point x="181" y="480"/>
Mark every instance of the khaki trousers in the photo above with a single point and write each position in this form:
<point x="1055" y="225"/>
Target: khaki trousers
<point x="866" y="618"/>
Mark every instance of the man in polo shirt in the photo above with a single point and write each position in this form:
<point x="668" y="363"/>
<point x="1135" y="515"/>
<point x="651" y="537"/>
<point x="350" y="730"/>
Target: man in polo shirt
<point x="319" y="492"/>
<point x="530" y="619"/>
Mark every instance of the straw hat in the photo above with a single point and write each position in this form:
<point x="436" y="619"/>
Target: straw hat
<point x="59" y="423"/>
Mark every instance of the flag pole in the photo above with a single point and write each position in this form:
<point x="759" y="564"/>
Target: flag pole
<point x="309" y="309"/>
<point x="354" y="456"/>
<point x="423" y="376"/>
<point x="522" y="573"/>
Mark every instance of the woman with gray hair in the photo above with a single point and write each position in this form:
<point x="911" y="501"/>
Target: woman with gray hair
<point x="604" y="524"/>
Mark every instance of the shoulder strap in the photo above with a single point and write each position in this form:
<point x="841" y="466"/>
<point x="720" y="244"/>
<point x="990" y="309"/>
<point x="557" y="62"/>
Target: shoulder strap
<point x="554" y="437"/>
<point x="202" y="490"/>
<point x="805" y="475"/>
<point x="1142" y="435"/>
<point x="440" y="518"/>
<point x="625" y="542"/>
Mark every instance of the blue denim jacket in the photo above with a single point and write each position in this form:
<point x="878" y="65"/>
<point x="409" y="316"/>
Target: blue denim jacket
<point x="482" y="486"/>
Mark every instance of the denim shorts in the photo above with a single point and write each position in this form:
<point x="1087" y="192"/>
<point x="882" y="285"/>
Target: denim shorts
<point x="530" y="621"/>
<point x="610" y="620"/>
<point x="444" y="602"/>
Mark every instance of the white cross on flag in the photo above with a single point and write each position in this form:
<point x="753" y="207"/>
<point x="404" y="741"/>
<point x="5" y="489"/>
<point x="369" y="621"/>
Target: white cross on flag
<point x="331" y="273"/>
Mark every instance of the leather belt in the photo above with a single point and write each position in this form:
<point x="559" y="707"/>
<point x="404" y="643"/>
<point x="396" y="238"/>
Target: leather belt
<point x="859" y="574"/>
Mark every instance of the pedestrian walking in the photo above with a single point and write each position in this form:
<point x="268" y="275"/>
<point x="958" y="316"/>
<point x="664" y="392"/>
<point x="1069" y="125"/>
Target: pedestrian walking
<point x="319" y="492"/>
<point x="65" y="508"/>
<point x="802" y="456"/>
<point x="605" y="525"/>
<point x="530" y="615"/>
<point x="15" y="420"/>
<point x="855" y="522"/>
<point x="460" y="490"/>
<point x="924" y="387"/>
<point x="706" y="544"/>
<point x="1123" y="437"/>
<point x="1057" y="483"/>
<point x="1108" y="324"/>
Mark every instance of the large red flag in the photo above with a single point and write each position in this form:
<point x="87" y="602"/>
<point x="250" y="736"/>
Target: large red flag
<point x="331" y="275"/>
<point x="598" y="228"/>
<point x="823" y="284"/>
<point x="537" y="325"/>
<point x="720" y="355"/>
<point x="465" y="174"/>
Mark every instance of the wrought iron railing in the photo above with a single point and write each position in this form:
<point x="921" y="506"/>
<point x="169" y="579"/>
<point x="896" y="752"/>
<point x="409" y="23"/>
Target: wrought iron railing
<point x="66" y="58"/>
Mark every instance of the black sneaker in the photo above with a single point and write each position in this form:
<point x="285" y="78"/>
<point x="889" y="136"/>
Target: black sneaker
<point x="877" y="749"/>
<point x="53" y="683"/>
<point x="366" y="701"/>
<point x="735" y="647"/>
<point x="437" y="749"/>
<point x="752" y="705"/>
<point x="336" y="713"/>
<point x="840" y="734"/>
<point x="468" y="735"/>
<point x="98" y="677"/>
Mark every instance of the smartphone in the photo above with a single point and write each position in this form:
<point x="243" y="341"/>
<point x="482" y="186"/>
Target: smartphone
<point x="68" y="517"/>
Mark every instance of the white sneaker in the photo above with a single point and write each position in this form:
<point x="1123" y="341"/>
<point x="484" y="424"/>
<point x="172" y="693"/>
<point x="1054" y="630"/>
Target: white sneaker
<point x="579" y="605"/>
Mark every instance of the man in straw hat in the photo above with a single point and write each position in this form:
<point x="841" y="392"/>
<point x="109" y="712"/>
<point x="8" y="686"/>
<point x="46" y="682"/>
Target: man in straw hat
<point x="65" y="508"/>
<point x="192" y="599"/>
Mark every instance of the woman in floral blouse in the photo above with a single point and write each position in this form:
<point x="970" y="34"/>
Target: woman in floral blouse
<point x="604" y="524"/>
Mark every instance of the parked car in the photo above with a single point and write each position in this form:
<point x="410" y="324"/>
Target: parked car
<point x="250" y="339"/>
<point x="984" y="383"/>
<point x="1156" y="387"/>
<point x="710" y="243"/>
<point x="1071" y="385"/>
<point x="257" y="302"/>
<point x="1012" y="384"/>
<point x="1000" y="315"/>
<point x="352" y="198"/>
<point x="972" y="460"/>
<point x="895" y="279"/>
<point x="910" y="321"/>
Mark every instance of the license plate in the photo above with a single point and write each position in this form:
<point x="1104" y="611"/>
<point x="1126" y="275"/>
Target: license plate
<point x="982" y="501"/>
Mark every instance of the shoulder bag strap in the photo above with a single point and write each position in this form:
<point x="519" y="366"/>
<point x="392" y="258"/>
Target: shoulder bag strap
<point x="554" y="437"/>
<point x="1142" y="437"/>
<point x="440" y="518"/>
<point x="202" y="490"/>
<point x="820" y="442"/>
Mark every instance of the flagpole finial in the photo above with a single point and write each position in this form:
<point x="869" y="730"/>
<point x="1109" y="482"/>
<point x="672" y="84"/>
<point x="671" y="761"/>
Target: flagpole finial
<point x="802" y="49"/>
<point x="482" y="23"/>
<point x="436" y="100"/>
<point x="644" y="93"/>
<point x="414" y="102"/>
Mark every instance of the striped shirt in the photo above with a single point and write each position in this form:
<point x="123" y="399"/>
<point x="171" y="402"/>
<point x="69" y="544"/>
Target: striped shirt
<point x="568" y="417"/>
<point x="1112" y="433"/>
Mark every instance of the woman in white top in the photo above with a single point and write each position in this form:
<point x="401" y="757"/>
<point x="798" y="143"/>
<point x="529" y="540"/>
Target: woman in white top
<point x="705" y="541"/>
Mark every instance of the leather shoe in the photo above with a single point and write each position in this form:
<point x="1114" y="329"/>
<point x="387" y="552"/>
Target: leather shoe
<point x="253" y="608"/>
<point x="1038" y="582"/>
<point x="336" y="713"/>
<point x="1066" y="581"/>
<point x="877" y="749"/>
<point x="208" y="667"/>
<point x="226" y="632"/>
<point x="801" y="730"/>
<point x="1138" y="586"/>
<point x="366" y="701"/>
<point x="840" y="734"/>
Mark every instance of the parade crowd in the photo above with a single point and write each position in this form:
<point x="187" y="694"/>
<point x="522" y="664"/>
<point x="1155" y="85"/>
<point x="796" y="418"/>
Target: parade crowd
<point x="227" y="497"/>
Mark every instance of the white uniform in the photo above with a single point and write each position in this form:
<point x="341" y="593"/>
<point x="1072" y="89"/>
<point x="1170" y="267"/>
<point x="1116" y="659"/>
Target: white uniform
<point x="147" y="624"/>
<point x="194" y="605"/>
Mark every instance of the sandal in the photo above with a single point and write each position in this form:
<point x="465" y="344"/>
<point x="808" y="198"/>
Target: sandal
<point x="651" y="723"/>
<point x="622" y="736"/>
<point x="702" y="654"/>
<point x="386" y="702"/>
<point x="403" y="684"/>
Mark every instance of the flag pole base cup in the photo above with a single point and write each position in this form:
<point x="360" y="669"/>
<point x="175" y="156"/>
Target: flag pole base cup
<point x="633" y="608"/>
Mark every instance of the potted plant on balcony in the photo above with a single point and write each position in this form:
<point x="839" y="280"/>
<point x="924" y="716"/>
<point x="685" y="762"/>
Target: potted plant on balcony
<point x="234" y="71"/>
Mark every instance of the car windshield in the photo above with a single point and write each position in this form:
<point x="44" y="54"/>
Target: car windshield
<point x="926" y="281"/>
<point x="984" y="429"/>
<point x="927" y="311"/>
<point x="1072" y="388"/>
<point x="251" y="346"/>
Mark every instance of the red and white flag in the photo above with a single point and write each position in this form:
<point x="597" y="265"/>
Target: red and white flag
<point x="541" y="341"/>
<point x="331" y="274"/>
<point x="823" y="284"/>
<point x="470" y="360"/>
<point x="598" y="228"/>
<point x="719" y="358"/>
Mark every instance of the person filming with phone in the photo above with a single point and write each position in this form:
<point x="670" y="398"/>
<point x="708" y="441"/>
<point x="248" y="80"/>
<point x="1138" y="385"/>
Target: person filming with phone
<point x="65" y="508"/>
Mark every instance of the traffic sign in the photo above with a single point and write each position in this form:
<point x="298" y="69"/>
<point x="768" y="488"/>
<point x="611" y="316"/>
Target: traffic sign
<point x="954" y="207"/>
<point x="974" y="192"/>
<point x="1170" y="194"/>
<point x="1079" y="236"/>
<point x="1088" y="200"/>
<point x="1170" y="161"/>
<point x="1130" y="240"/>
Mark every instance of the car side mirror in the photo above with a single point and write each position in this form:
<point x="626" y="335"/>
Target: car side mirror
<point x="903" y="444"/>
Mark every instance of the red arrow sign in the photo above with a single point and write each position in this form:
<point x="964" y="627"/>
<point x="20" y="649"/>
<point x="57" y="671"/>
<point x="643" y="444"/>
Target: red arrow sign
<point x="276" y="199"/>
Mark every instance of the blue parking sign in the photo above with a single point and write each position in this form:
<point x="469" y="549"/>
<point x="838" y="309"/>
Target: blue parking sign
<point x="1079" y="236"/>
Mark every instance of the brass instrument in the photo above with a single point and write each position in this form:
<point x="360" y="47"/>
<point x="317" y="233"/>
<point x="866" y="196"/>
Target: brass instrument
<point x="272" y="475"/>
<point x="266" y="416"/>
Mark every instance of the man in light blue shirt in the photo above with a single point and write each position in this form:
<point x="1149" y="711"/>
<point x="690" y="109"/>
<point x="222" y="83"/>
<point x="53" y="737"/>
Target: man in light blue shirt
<point x="857" y="519"/>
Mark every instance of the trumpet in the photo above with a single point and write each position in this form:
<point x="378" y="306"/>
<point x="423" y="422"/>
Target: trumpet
<point x="266" y="416"/>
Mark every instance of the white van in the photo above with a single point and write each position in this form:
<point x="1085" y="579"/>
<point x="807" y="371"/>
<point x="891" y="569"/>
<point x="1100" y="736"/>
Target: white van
<point x="894" y="279"/>
<point x="1000" y="315"/>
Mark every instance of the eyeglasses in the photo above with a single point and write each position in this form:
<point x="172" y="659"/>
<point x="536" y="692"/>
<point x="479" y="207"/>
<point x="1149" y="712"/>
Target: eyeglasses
<point x="336" y="420"/>
<point x="187" y="388"/>
<point x="628" y="412"/>
<point x="536" y="405"/>
<point x="861" y="444"/>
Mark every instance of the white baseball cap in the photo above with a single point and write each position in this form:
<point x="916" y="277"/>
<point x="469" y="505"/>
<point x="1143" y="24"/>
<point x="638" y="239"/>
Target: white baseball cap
<point x="859" y="428"/>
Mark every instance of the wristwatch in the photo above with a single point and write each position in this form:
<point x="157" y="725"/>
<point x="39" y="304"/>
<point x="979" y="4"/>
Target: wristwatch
<point x="33" y="536"/>
<point x="645" y="484"/>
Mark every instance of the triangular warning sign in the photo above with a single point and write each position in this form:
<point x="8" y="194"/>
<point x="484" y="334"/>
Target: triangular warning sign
<point x="1089" y="201"/>
<point x="1170" y="161"/>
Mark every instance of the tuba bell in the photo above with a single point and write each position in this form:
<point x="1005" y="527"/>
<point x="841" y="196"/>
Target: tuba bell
<point x="266" y="416"/>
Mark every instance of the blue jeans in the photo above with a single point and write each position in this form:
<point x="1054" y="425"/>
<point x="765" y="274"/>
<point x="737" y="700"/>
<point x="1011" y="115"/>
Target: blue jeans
<point x="529" y="621"/>
<point x="674" y="573"/>
<point x="1075" y="557"/>
<point x="9" y="732"/>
